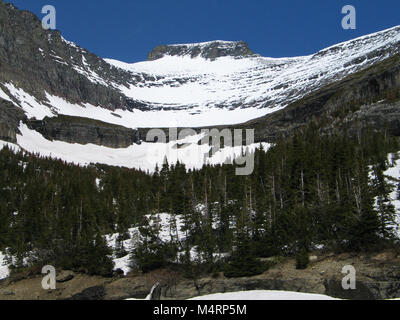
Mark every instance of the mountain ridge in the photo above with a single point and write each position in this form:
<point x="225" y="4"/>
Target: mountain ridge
<point x="198" y="87"/>
<point x="210" y="50"/>
<point x="49" y="83"/>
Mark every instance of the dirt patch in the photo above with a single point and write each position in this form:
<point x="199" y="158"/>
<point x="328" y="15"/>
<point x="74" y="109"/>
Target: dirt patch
<point x="31" y="289"/>
<point x="378" y="276"/>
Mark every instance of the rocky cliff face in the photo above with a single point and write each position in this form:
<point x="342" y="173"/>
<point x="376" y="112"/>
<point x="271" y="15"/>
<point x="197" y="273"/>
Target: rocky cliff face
<point x="40" y="60"/>
<point x="84" y="131"/>
<point x="207" y="50"/>
<point x="10" y="116"/>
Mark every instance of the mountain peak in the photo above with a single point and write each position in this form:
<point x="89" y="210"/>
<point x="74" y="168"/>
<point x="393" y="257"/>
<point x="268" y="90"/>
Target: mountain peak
<point x="207" y="50"/>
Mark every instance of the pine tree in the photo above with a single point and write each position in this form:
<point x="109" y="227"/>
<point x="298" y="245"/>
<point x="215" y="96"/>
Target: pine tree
<point x="385" y="208"/>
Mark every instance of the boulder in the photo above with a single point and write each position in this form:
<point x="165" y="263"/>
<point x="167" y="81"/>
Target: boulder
<point x="65" y="276"/>
<point x="92" y="293"/>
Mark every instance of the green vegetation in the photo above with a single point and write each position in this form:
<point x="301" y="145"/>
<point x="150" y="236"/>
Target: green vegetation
<point x="306" y="190"/>
<point x="302" y="259"/>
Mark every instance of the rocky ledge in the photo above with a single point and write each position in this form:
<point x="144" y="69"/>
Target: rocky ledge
<point x="10" y="116"/>
<point x="84" y="131"/>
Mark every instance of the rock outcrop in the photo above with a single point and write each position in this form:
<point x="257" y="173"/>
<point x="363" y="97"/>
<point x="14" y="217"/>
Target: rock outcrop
<point x="84" y="131"/>
<point x="207" y="50"/>
<point x="92" y="293"/>
<point x="65" y="276"/>
<point x="377" y="277"/>
<point x="10" y="116"/>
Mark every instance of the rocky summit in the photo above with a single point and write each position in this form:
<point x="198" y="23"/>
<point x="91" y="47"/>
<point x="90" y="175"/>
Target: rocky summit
<point x="207" y="50"/>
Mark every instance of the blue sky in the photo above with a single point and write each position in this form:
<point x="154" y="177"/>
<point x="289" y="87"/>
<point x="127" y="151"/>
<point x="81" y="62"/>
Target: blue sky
<point x="128" y="29"/>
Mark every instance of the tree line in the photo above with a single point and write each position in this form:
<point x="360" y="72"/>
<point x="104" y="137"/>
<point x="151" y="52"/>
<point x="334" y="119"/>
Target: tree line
<point x="306" y="190"/>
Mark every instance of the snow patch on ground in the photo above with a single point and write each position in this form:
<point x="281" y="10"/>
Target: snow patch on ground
<point x="32" y="107"/>
<point x="4" y="271"/>
<point x="264" y="295"/>
<point x="394" y="173"/>
<point x="158" y="118"/>
<point x="166" y="235"/>
<point x="5" y="96"/>
<point x="144" y="156"/>
<point x="70" y="43"/>
<point x="10" y="145"/>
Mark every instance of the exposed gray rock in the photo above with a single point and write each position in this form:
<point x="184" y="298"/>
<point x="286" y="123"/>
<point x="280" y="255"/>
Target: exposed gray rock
<point x="40" y="60"/>
<point x="375" y="280"/>
<point x="189" y="289"/>
<point x="207" y="50"/>
<point x="155" y="293"/>
<point x="92" y="293"/>
<point x="84" y="131"/>
<point x="65" y="276"/>
<point x="365" y="290"/>
<point x="10" y="116"/>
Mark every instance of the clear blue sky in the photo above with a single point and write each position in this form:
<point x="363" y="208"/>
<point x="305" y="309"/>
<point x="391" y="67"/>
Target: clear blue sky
<point x="128" y="29"/>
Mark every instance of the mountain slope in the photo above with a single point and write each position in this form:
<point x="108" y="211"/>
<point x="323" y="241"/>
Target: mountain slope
<point x="252" y="81"/>
<point x="69" y="99"/>
<point x="195" y="78"/>
<point x="369" y="98"/>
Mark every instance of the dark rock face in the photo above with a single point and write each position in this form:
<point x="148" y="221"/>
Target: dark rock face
<point x="84" y="131"/>
<point x="10" y="117"/>
<point x="155" y="293"/>
<point x="190" y="289"/>
<point x="365" y="290"/>
<point x="65" y="276"/>
<point x="36" y="60"/>
<point x="378" y="116"/>
<point x="207" y="50"/>
<point x="93" y="293"/>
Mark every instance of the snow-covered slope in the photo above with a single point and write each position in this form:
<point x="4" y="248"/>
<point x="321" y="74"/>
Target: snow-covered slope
<point x="144" y="156"/>
<point x="200" y="85"/>
<point x="181" y="86"/>
<point x="193" y="91"/>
